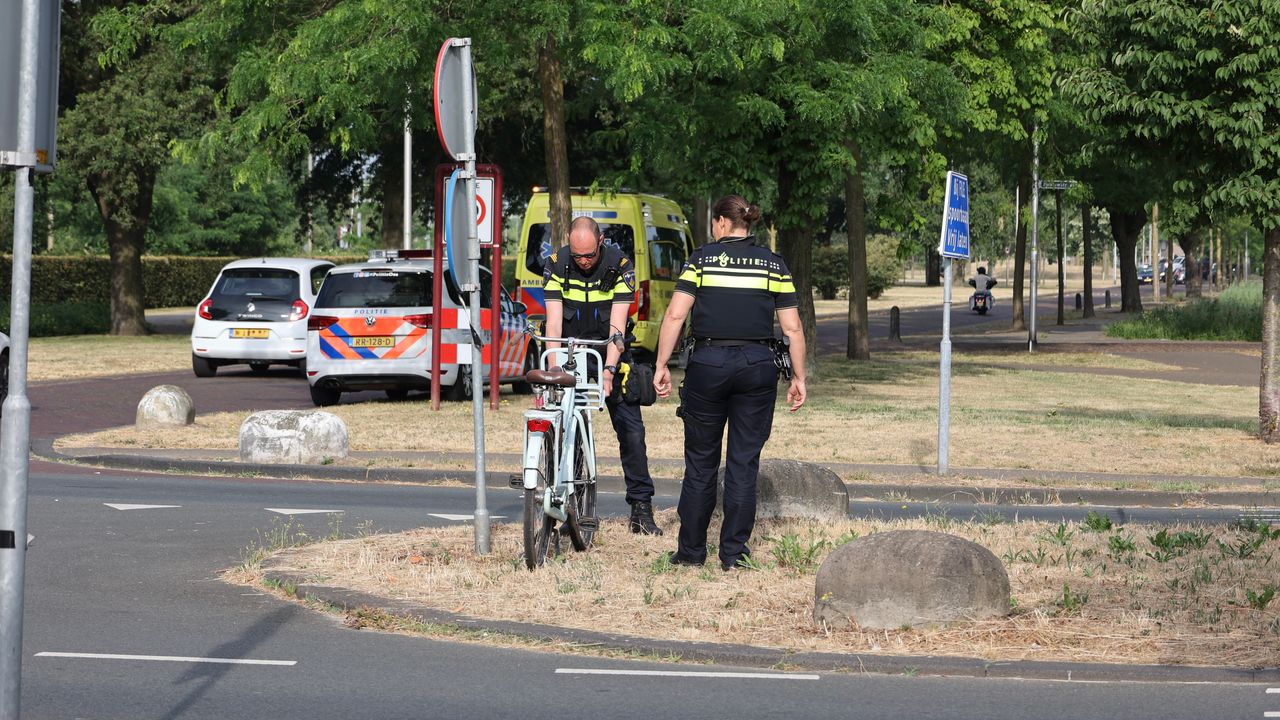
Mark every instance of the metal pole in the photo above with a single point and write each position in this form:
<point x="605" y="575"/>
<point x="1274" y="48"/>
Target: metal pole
<point x="477" y="367"/>
<point x="1155" y="253"/>
<point x="15" y="427"/>
<point x="944" y="372"/>
<point x="408" y="183"/>
<point x="1035" y="233"/>
<point x="1246" y="256"/>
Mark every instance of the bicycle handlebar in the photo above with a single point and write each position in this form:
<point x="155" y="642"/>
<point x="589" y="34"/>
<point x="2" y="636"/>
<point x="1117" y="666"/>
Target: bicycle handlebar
<point x="614" y="338"/>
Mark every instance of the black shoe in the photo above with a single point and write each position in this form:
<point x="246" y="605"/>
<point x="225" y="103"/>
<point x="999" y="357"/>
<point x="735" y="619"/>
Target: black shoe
<point x="735" y="565"/>
<point x="642" y="519"/>
<point x="676" y="560"/>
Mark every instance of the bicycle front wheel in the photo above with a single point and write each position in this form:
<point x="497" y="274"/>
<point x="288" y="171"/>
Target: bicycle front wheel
<point x="584" y="498"/>
<point x="541" y="537"/>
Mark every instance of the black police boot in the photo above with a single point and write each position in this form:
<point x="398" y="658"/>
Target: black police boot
<point x="642" y="519"/>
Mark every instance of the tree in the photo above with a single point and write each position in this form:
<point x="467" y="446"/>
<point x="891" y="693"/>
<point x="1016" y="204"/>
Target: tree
<point x="1201" y="80"/>
<point x="129" y="98"/>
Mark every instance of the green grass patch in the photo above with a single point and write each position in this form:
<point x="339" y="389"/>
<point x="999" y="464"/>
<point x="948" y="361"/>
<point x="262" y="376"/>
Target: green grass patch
<point x="1236" y="314"/>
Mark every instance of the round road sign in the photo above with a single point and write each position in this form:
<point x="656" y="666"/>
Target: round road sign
<point x="455" y="98"/>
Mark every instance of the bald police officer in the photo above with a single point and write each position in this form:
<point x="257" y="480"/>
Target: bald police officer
<point x="734" y="289"/>
<point x="589" y="288"/>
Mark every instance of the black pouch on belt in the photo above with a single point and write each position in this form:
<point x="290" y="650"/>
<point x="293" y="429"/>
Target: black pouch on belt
<point x="637" y="384"/>
<point x="782" y="357"/>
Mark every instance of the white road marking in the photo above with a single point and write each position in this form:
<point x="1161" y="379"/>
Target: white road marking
<point x="1275" y="691"/>
<point x="685" y="673"/>
<point x="130" y="506"/>
<point x="166" y="658"/>
<point x="450" y="516"/>
<point x="1271" y="714"/>
<point x="300" y="511"/>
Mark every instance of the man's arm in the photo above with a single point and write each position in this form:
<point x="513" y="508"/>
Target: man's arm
<point x="555" y="322"/>
<point x="617" y="323"/>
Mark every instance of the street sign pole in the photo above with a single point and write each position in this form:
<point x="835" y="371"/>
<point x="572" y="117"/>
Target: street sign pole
<point x="953" y="244"/>
<point x="15" y="427"/>
<point x="1035" y="234"/>
<point x="455" y="109"/>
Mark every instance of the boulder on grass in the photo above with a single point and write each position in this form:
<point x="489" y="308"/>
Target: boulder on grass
<point x="293" y="436"/>
<point x="165" y="405"/>
<point x="909" y="577"/>
<point x="794" y="489"/>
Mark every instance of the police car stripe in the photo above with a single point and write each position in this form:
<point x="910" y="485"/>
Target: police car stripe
<point x="329" y="350"/>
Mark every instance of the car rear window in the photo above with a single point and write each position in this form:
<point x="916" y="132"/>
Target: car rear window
<point x="375" y="287"/>
<point x="254" y="294"/>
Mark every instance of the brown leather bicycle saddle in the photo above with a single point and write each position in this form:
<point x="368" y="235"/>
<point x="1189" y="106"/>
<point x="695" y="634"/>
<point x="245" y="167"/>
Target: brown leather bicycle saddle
<point x="551" y="376"/>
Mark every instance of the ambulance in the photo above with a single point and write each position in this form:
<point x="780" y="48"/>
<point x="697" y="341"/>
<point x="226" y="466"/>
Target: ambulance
<point x="650" y="229"/>
<point x="371" y="325"/>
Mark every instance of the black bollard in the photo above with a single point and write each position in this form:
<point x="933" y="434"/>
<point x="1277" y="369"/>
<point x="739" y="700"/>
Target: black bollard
<point x="895" y="324"/>
<point x="1079" y="301"/>
<point x="1108" y="299"/>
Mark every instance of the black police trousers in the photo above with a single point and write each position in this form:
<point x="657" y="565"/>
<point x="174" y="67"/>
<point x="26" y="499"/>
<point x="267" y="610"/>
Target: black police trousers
<point x="629" y="427"/>
<point x="737" y="384"/>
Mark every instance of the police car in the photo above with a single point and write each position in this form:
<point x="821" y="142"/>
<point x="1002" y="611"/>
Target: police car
<point x="256" y="313"/>
<point x="371" y="330"/>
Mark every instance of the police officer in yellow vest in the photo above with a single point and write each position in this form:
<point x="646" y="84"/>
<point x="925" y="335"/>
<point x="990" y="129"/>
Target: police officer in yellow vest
<point x="589" y="288"/>
<point x="734" y="289"/>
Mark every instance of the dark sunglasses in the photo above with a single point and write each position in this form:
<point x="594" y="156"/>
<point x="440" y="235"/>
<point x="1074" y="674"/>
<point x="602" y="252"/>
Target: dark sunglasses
<point x="585" y="256"/>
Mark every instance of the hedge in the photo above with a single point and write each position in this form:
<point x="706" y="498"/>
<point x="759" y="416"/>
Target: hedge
<point x="65" y="318"/>
<point x="168" y="281"/>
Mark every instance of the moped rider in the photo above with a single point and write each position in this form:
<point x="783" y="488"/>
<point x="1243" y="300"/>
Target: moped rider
<point x="982" y="284"/>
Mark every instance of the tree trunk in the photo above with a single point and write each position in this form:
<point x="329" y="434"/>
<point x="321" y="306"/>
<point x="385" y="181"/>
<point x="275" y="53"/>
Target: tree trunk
<point x="796" y="248"/>
<point x="393" y="194"/>
<point x="126" y="240"/>
<point x="555" y="140"/>
<point x="1062" y="276"/>
<point x="1126" y="225"/>
<point x="857" y="344"/>
<point x="1086" y="221"/>
<point x="701" y="223"/>
<point x="932" y="267"/>
<point x="1191" y="243"/>
<point x="1269" y="384"/>
<point x="1019" y="318"/>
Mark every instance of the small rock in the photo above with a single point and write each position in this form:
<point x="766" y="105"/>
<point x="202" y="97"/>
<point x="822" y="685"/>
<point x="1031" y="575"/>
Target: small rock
<point x="165" y="405"/>
<point x="909" y="577"/>
<point x="293" y="436"/>
<point x="794" y="489"/>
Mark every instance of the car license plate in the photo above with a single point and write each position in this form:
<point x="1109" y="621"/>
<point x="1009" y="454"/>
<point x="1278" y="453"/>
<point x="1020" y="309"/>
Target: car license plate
<point x="256" y="333"/>
<point x="382" y="341"/>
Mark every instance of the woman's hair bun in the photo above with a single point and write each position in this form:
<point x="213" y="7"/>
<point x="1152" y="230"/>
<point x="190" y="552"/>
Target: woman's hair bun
<point x="752" y="215"/>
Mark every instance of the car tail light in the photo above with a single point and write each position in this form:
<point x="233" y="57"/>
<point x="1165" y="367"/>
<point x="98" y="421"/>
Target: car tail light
<point x="320" y="322"/>
<point x="541" y="426"/>
<point x="203" y="310"/>
<point x="422" y="321"/>
<point x="299" y="310"/>
<point x="642" y="312"/>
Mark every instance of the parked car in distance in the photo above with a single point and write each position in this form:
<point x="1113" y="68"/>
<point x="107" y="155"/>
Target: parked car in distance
<point x="1144" y="274"/>
<point x="256" y="313"/>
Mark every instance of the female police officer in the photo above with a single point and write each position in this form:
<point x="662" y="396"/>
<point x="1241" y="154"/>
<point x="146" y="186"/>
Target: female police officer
<point x="734" y="288"/>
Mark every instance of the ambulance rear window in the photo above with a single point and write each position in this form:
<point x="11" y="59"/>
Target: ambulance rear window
<point x="539" y="246"/>
<point x="375" y="287"/>
<point x="667" y="252"/>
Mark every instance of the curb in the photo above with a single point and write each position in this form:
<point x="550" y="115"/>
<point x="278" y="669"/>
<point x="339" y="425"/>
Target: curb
<point x="753" y="656"/>
<point x="999" y="495"/>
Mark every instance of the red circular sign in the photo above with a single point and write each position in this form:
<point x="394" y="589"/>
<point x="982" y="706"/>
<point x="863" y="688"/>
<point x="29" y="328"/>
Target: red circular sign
<point x="480" y="210"/>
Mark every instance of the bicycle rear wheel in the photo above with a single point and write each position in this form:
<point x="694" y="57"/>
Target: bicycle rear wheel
<point x="584" y="498"/>
<point x="541" y="536"/>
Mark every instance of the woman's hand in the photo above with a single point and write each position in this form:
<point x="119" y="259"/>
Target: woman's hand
<point x="796" y="394"/>
<point x="662" y="380"/>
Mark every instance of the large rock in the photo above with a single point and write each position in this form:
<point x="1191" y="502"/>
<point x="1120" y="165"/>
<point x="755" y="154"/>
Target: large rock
<point x="293" y="436"/>
<point x="909" y="577"/>
<point x="793" y="489"/>
<point x="165" y="405"/>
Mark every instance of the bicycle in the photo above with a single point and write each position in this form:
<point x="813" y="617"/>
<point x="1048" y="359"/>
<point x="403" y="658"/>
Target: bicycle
<point x="559" y="477"/>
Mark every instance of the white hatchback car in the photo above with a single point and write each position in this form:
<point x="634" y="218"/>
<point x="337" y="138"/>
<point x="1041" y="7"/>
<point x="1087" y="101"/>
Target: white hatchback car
<point x="256" y="313"/>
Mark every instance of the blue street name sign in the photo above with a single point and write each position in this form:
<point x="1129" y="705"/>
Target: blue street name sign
<point x="955" y="218"/>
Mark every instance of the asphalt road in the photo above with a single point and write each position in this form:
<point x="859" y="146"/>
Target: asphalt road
<point x="140" y="583"/>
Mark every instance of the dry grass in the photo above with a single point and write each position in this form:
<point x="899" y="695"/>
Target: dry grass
<point x="1076" y="594"/>
<point x="82" y="356"/>
<point x="884" y="411"/>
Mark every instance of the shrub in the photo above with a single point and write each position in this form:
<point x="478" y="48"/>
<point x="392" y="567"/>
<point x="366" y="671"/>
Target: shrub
<point x="1236" y="314"/>
<point x="831" y="267"/>
<point x="64" y="318"/>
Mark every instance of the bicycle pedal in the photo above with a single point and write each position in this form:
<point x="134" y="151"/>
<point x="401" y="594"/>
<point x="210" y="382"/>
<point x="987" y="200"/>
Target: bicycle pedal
<point x="516" y="481"/>
<point x="590" y="524"/>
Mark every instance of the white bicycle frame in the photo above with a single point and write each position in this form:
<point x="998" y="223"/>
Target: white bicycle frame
<point x="572" y="415"/>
